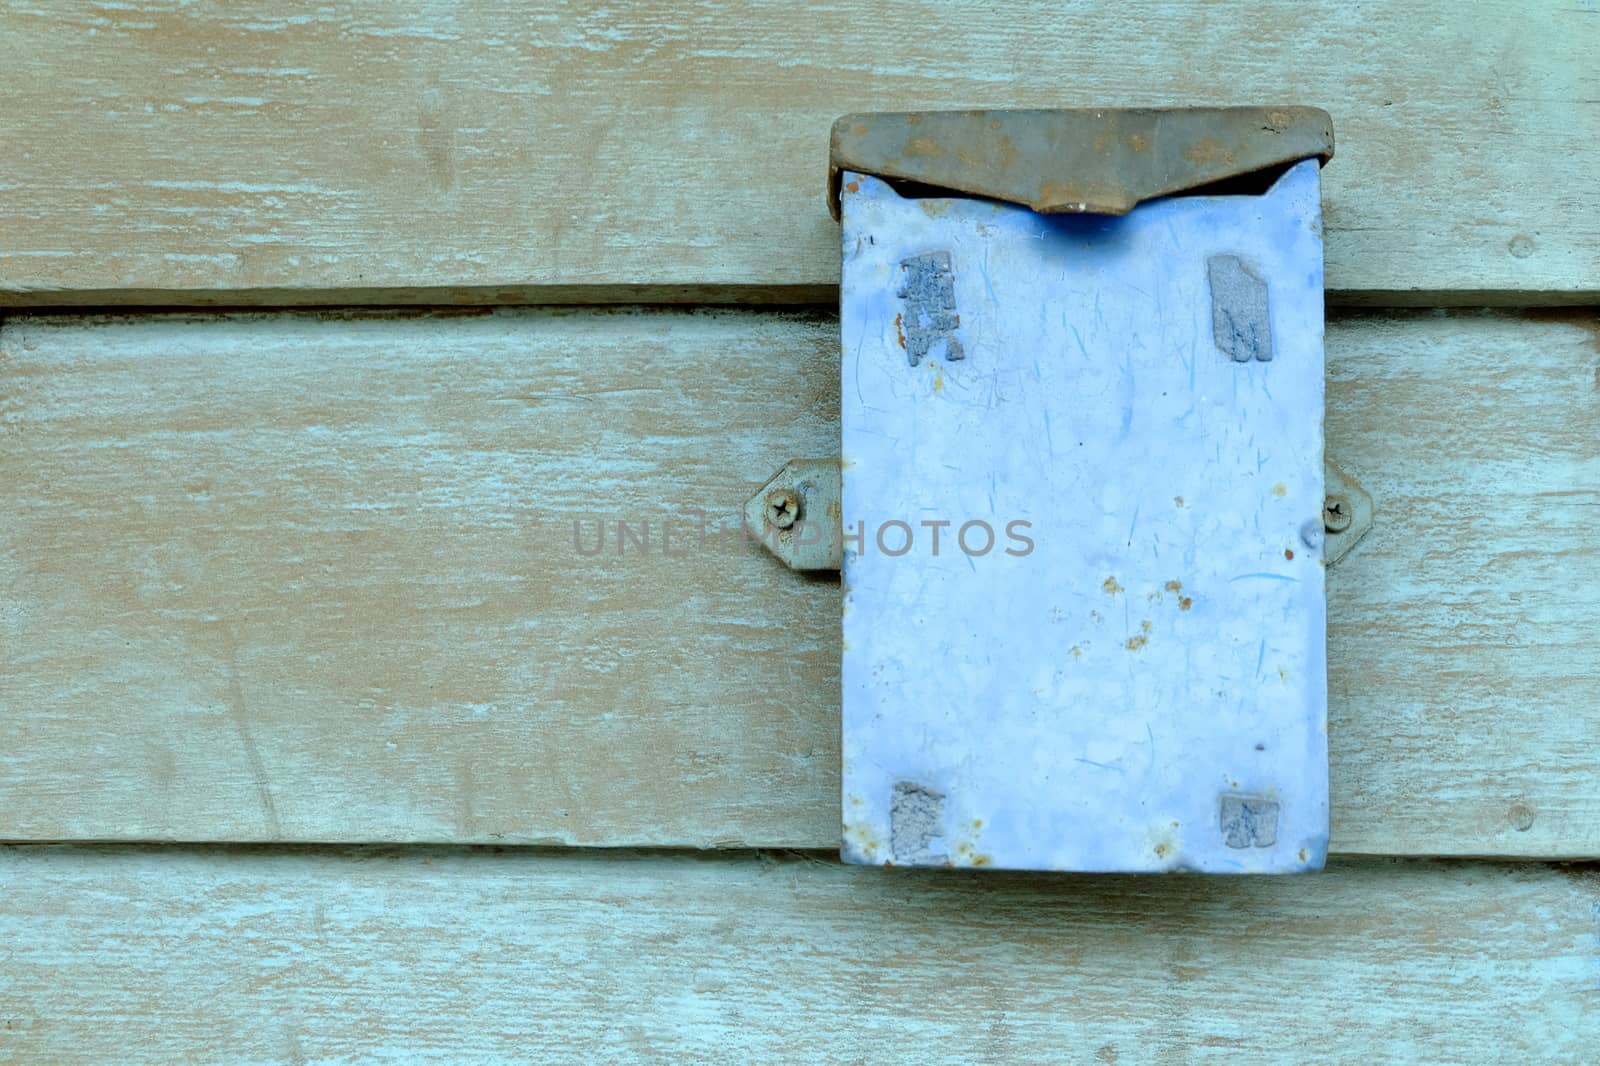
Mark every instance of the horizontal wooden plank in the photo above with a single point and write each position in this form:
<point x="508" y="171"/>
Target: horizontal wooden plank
<point x="174" y="955"/>
<point x="316" y="578"/>
<point x="168" y="152"/>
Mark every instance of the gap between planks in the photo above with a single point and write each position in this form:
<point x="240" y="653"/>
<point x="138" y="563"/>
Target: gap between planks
<point x="819" y="296"/>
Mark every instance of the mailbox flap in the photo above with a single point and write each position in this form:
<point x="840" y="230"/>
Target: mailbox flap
<point x="1100" y="161"/>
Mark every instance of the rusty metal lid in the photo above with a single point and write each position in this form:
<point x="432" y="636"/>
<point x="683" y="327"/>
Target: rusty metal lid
<point x="1088" y="161"/>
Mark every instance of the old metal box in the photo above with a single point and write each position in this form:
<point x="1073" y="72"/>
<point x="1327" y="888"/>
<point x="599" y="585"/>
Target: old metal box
<point x="1082" y="396"/>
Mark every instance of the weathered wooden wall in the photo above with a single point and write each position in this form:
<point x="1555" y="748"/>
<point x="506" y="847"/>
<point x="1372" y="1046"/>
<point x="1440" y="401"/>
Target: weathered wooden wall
<point x="133" y="955"/>
<point x="308" y="578"/>
<point x="164" y="151"/>
<point x="312" y="578"/>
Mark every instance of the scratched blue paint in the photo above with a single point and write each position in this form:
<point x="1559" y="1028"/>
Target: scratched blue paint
<point x="1156" y="660"/>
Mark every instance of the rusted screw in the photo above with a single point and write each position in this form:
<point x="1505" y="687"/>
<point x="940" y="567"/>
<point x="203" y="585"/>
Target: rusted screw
<point x="783" y="508"/>
<point x="1336" y="514"/>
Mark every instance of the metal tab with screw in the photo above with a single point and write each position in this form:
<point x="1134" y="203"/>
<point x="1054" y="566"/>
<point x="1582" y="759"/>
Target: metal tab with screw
<point x="1346" y="512"/>
<point x="796" y="515"/>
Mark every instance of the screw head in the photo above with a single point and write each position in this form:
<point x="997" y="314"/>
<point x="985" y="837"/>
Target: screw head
<point x="1337" y="514"/>
<point x="783" y="508"/>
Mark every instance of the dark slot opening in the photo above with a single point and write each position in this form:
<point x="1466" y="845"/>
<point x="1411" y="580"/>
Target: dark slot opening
<point x="1255" y="183"/>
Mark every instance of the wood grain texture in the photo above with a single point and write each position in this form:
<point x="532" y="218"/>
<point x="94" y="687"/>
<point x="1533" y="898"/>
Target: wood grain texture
<point x="169" y="152"/>
<point x="177" y="955"/>
<point x="314" y="578"/>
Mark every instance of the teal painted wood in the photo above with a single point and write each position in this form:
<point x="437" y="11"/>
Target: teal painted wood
<point x="135" y="955"/>
<point x="300" y="577"/>
<point x="429" y="151"/>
